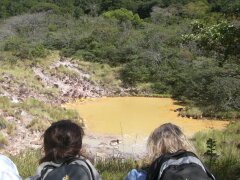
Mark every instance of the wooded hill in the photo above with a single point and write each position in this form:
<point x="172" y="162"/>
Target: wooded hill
<point x="189" y="48"/>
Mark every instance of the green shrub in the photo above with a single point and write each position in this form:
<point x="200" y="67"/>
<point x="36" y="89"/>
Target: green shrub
<point x="67" y="52"/>
<point x="40" y="7"/>
<point x="135" y="72"/>
<point x="89" y="56"/>
<point x="195" y="9"/>
<point x="123" y="15"/>
<point x="227" y="160"/>
<point x="13" y="43"/>
<point x="193" y="112"/>
<point x="54" y="41"/>
<point x="25" y="50"/>
<point x="227" y="167"/>
<point x="31" y="51"/>
<point x="52" y="27"/>
<point x="165" y="16"/>
<point x="78" y="11"/>
<point x="160" y="88"/>
<point x="39" y="51"/>
<point x="208" y="86"/>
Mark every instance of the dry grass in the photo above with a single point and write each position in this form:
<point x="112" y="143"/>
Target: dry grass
<point x="100" y="73"/>
<point x="3" y="140"/>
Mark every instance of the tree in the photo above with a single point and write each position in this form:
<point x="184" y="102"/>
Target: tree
<point x="220" y="40"/>
<point x="225" y="6"/>
<point x="42" y="7"/>
<point x="91" y="7"/>
<point x="224" y="93"/>
<point x="195" y="9"/>
<point x="124" y="15"/>
<point x="165" y="16"/>
<point x="213" y="88"/>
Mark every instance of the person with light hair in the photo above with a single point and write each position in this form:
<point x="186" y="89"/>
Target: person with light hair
<point x="167" y="138"/>
<point x="171" y="156"/>
<point x="8" y="170"/>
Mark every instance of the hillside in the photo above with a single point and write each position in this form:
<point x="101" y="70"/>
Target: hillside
<point x="31" y="96"/>
<point x="53" y="52"/>
<point x="179" y="53"/>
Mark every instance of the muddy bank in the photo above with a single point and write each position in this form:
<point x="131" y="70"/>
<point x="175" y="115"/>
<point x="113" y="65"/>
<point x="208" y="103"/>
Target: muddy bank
<point x="101" y="147"/>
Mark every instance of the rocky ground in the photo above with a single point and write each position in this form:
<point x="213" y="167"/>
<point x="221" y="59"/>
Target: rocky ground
<point x="70" y="87"/>
<point x="66" y="88"/>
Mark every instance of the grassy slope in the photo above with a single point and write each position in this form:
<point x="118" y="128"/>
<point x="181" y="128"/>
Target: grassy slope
<point x="22" y="73"/>
<point x="102" y="74"/>
<point x="227" y="163"/>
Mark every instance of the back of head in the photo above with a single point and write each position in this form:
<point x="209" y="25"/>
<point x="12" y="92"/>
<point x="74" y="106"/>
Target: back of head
<point x="172" y="156"/>
<point x="167" y="138"/>
<point x="62" y="140"/>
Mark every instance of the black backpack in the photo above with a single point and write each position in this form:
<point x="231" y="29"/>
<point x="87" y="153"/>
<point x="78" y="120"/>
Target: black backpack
<point x="72" y="169"/>
<point x="182" y="165"/>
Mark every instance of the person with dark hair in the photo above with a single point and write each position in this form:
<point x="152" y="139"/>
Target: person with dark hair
<point x="62" y="160"/>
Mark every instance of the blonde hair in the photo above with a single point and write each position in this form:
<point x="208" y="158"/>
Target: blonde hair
<point x="167" y="138"/>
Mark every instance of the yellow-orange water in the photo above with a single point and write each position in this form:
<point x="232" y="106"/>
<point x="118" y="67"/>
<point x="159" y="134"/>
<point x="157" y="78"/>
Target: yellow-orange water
<point x="136" y="116"/>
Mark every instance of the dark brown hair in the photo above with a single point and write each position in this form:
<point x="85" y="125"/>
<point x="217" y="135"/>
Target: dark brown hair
<point x="62" y="140"/>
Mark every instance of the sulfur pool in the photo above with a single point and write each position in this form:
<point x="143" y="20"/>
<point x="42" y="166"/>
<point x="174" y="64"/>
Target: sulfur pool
<point x="136" y="116"/>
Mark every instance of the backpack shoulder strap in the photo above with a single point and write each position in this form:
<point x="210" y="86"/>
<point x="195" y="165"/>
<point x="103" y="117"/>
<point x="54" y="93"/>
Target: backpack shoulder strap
<point x="202" y="165"/>
<point x="181" y="157"/>
<point x="180" y="161"/>
<point x="81" y="161"/>
<point x="47" y="168"/>
<point x="85" y="163"/>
